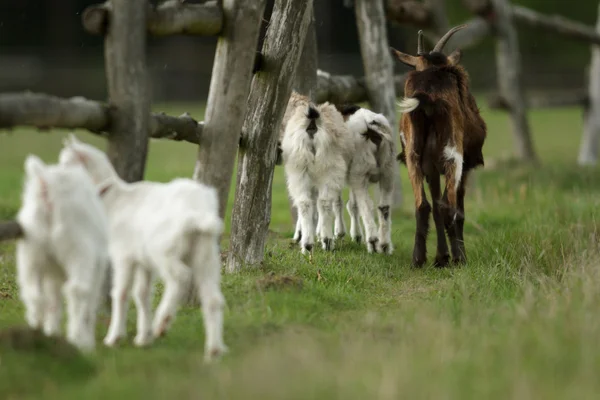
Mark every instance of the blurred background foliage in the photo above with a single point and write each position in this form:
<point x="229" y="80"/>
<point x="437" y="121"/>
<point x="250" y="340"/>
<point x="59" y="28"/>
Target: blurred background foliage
<point x="43" y="47"/>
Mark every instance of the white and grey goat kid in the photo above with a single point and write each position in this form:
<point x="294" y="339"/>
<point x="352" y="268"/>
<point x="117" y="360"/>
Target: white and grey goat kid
<point x="373" y="162"/>
<point x="316" y="149"/>
<point x="63" y="251"/>
<point x="166" y="229"/>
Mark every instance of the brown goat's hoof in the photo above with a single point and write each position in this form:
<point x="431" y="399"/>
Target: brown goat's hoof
<point x="417" y="263"/>
<point x="459" y="261"/>
<point x="441" y="261"/>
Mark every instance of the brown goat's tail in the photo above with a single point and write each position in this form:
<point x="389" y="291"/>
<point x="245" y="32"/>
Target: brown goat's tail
<point x="422" y="102"/>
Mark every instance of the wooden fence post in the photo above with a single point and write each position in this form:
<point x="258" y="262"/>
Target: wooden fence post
<point x="305" y="81"/>
<point x="228" y="95"/>
<point x="269" y="95"/>
<point x="379" y="69"/>
<point x="125" y="59"/>
<point x="588" y="150"/>
<point x="508" y="68"/>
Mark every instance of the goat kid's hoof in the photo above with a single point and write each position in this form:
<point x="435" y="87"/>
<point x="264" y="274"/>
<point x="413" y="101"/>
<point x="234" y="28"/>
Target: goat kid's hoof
<point x="372" y="245"/>
<point x="357" y="239"/>
<point x="328" y="244"/>
<point x="340" y="235"/>
<point x="215" y="353"/>
<point x="307" y="249"/>
<point x="298" y="237"/>
<point x="112" y="341"/>
<point x="386" y="248"/>
<point x="441" y="261"/>
<point x="143" y="340"/>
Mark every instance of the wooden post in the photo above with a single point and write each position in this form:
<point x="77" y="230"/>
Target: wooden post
<point x="125" y="58"/>
<point x="379" y="69"/>
<point x="588" y="150"/>
<point x="269" y="95"/>
<point x="508" y="66"/>
<point x="228" y="95"/>
<point x="305" y="81"/>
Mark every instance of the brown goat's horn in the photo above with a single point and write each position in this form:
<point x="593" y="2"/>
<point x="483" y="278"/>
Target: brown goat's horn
<point x="420" y="47"/>
<point x="442" y="42"/>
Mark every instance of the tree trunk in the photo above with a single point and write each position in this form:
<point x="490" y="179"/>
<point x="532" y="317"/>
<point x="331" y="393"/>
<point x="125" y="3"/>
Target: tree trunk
<point x="379" y="69"/>
<point x="508" y="65"/>
<point x="125" y="58"/>
<point x="228" y="95"/>
<point x="588" y="151"/>
<point x="269" y="95"/>
<point x="305" y="81"/>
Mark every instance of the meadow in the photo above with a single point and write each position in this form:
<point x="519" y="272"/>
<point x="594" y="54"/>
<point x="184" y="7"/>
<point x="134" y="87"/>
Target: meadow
<point x="521" y="320"/>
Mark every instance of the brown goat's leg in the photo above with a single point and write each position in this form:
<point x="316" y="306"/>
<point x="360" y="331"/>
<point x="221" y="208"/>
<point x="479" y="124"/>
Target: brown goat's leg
<point x="422" y="218"/>
<point x="460" y="256"/>
<point x="442" y="256"/>
<point x="422" y="209"/>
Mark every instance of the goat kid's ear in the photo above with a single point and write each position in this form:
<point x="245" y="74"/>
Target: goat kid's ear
<point x="404" y="58"/>
<point x="455" y="56"/>
<point x="34" y="166"/>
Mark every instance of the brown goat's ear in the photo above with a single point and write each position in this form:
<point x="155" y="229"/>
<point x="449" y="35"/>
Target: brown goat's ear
<point x="404" y="58"/>
<point x="454" y="57"/>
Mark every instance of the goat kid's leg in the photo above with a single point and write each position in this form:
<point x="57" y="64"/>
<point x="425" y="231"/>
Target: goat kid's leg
<point x="325" y="205"/>
<point x="142" y="296"/>
<point x="305" y="215"/>
<point x="176" y="280"/>
<point x="207" y="272"/>
<point x="384" y="214"/>
<point x="79" y="298"/>
<point x="298" y="231"/>
<point x="442" y="255"/>
<point x="365" y="207"/>
<point x="30" y="279"/>
<point x="53" y="310"/>
<point x="123" y="272"/>
<point x="355" y="227"/>
<point x="338" y="210"/>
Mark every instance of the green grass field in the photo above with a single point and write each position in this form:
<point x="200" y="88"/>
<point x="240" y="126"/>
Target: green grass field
<point x="521" y="320"/>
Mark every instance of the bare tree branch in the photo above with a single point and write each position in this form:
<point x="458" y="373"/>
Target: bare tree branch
<point x="556" y="23"/>
<point x="10" y="230"/>
<point x="544" y="99"/>
<point x="44" y="111"/>
<point x="172" y="17"/>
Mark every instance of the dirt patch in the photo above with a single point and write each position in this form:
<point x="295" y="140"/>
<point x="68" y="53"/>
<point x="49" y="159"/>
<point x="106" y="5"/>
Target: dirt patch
<point x="279" y="282"/>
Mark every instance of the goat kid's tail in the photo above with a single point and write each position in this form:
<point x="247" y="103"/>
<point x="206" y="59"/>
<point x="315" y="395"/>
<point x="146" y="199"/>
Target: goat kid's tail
<point x="312" y="113"/>
<point x="206" y="223"/>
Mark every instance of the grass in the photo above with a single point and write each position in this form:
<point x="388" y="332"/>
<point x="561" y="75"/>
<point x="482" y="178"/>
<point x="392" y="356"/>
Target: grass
<point x="521" y="320"/>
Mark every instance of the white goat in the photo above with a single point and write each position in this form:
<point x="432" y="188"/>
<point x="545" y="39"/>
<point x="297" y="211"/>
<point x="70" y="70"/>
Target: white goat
<point x="316" y="149"/>
<point x="64" y="249"/>
<point x="373" y="161"/>
<point x="170" y="229"/>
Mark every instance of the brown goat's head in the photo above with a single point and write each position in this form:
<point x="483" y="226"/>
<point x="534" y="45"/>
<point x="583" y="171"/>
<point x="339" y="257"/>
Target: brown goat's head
<point x="435" y="58"/>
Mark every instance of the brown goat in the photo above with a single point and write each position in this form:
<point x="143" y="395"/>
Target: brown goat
<point x="442" y="133"/>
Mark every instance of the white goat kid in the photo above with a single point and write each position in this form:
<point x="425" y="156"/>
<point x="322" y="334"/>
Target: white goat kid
<point x="373" y="161"/>
<point x="64" y="250"/>
<point x="316" y="149"/>
<point x="170" y="229"/>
